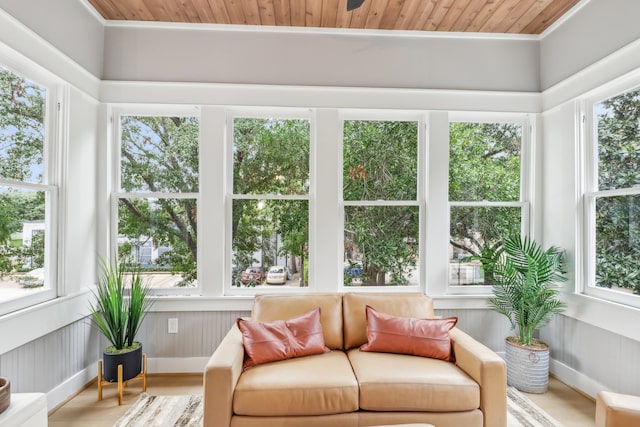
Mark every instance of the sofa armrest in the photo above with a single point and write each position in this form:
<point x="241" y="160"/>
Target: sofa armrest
<point x="220" y="378"/>
<point x="490" y="372"/>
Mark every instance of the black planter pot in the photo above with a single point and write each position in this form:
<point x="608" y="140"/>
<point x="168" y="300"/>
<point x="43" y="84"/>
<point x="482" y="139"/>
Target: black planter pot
<point x="131" y="365"/>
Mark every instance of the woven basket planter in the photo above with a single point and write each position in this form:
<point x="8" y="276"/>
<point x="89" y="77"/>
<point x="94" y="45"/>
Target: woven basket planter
<point x="527" y="367"/>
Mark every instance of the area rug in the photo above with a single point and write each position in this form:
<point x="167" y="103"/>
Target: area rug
<point x="163" y="411"/>
<point x="522" y="412"/>
<point x="186" y="411"/>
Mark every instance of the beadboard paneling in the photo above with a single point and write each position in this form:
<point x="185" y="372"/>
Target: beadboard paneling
<point x="199" y="332"/>
<point x="605" y="357"/>
<point x="45" y="363"/>
<point x="486" y="326"/>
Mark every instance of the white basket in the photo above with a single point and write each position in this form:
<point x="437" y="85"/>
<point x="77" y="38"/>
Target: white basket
<point x="527" y="369"/>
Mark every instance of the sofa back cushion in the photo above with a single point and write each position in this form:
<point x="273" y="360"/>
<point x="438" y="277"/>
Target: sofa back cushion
<point x="354" y="304"/>
<point x="271" y="307"/>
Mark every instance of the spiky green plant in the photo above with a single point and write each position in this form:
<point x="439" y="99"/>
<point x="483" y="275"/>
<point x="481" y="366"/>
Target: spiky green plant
<point x="118" y="316"/>
<point x="525" y="289"/>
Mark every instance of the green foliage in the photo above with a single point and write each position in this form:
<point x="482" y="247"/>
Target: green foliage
<point x="270" y="156"/>
<point x="380" y="162"/>
<point x="524" y="284"/>
<point x="617" y="218"/>
<point x="484" y="165"/>
<point x="160" y="154"/>
<point x="118" y="316"/>
<point x="22" y="107"/>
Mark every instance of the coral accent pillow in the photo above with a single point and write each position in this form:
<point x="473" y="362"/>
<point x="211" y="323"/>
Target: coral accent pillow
<point x="282" y="339"/>
<point x="406" y="335"/>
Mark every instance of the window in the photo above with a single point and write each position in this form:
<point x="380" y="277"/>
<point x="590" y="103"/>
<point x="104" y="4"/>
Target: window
<point x="156" y="204"/>
<point x="381" y="203"/>
<point x="28" y="194"/>
<point x="487" y="196"/>
<point x="269" y="200"/>
<point x="613" y="199"/>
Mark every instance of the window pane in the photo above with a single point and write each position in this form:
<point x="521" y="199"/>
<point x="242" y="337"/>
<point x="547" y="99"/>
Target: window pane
<point x="270" y="156"/>
<point x="380" y="160"/>
<point x="22" y="129"/>
<point x="381" y="245"/>
<point x="22" y="242"/>
<point x="484" y="161"/>
<point x="618" y="243"/>
<point x="618" y="129"/>
<point x="160" y="236"/>
<point x="477" y="231"/>
<point x="159" y="154"/>
<point x="268" y="233"/>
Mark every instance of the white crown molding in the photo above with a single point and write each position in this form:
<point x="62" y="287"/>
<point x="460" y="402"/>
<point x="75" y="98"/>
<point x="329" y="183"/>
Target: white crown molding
<point x="21" y="42"/>
<point x="623" y="64"/>
<point x="563" y="19"/>
<point x="318" y="97"/>
<point x="316" y="30"/>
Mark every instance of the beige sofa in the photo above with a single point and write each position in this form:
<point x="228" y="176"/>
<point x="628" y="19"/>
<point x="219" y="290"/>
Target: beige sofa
<point x="349" y="387"/>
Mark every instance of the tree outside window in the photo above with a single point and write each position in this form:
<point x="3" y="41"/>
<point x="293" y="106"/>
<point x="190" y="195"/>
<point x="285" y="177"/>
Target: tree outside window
<point x="157" y="202"/>
<point x="380" y="193"/>
<point x="484" y="194"/>
<point x="616" y="195"/>
<point x="25" y="194"/>
<point x="270" y="201"/>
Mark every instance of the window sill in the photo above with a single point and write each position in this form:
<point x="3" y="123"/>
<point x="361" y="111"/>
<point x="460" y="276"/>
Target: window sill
<point x="38" y="320"/>
<point x="613" y="317"/>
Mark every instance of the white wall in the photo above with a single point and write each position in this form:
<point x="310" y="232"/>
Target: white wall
<point x="597" y="29"/>
<point x="67" y="24"/>
<point x="174" y="53"/>
<point x="80" y="217"/>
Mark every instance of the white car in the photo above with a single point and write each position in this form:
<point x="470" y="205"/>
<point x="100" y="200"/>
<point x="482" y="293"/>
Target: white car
<point x="277" y="275"/>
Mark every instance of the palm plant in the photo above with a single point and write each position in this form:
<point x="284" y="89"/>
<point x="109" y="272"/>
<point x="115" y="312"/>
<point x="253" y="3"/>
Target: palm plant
<point x="524" y="284"/>
<point x="117" y="315"/>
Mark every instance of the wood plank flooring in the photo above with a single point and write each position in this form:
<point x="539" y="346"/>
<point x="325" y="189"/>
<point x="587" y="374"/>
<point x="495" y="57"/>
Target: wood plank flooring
<point x="564" y="404"/>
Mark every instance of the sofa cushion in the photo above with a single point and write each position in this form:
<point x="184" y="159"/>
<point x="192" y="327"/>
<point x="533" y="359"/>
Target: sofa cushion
<point x="267" y="308"/>
<point x="282" y="339"/>
<point x="413" y="304"/>
<point x="398" y="382"/>
<point x="321" y="384"/>
<point x="406" y="335"/>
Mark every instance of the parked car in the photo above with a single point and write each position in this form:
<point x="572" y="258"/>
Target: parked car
<point x="252" y="275"/>
<point x="277" y="275"/>
<point x="353" y="269"/>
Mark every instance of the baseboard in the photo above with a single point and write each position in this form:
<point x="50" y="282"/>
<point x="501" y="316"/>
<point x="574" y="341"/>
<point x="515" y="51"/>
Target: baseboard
<point x="158" y="365"/>
<point x="183" y="365"/>
<point x="61" y="393"/>
<point x="576" y="380"/>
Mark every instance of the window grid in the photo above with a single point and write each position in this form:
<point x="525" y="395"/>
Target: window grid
<point x="270" y="206"/>
<point x="172" y="269"/>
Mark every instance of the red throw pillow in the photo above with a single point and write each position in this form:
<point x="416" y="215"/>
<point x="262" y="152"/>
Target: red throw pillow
<point x="406" y="335"/>
<point x="282" y="339"/>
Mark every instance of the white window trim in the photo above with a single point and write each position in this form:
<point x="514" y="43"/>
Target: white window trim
<point x="114" y="183"/>
<point x="588" y="191"/>
<point x="527" y="180"/>
<point x="421" y="188"/>
<point x="266" y="113"/>
<point x="55" y="143"/>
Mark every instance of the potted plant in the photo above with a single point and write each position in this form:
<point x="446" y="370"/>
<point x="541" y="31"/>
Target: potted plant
<point x="524" y="290"/>
<point x="122" y="301"/>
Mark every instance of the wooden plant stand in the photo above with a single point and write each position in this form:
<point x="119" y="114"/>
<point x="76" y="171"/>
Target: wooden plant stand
<point x="122" y="384"/>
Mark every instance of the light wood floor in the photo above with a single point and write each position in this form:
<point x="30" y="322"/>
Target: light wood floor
<point x="570" y="408"/>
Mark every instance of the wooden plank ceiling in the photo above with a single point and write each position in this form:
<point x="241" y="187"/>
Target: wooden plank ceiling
<point x="486" y="16"/>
